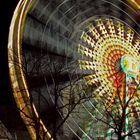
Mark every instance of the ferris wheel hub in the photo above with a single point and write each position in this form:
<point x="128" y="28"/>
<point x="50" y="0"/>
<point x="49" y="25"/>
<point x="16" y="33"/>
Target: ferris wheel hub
<point x="130" y="66"/>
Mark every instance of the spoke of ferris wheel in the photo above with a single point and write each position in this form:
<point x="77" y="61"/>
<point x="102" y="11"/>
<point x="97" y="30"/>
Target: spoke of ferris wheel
<point x="95" y="109"/>
<point x="120" y="29"/>
<point x="102" y="28"/>
<point x="111" y="28"/>
<point x="137" y="44"/>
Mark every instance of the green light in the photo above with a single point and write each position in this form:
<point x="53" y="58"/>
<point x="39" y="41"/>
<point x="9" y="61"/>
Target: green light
<point x="130" y="66"/>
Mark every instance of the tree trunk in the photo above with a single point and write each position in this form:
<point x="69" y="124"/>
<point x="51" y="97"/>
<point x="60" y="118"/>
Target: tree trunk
<point x="120" y="137"/>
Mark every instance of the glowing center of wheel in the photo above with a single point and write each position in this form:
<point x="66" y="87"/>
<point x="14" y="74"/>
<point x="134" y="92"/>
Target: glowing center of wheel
<point x="130" y="66"/>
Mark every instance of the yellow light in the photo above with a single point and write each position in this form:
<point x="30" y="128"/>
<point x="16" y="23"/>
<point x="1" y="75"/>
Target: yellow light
<point x="104" y="50"/>
<point x="94" y="32"/>
<point x="135" y="3"/>
<point x="129" y="35"/>
<point x="120" y="29"/>
<point x="111" y="28"/>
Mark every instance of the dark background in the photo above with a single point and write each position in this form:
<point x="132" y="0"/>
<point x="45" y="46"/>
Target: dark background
<point x="6" y="12"/>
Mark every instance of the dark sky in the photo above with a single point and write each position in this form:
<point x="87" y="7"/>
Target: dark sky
<point x="6" y="13"/>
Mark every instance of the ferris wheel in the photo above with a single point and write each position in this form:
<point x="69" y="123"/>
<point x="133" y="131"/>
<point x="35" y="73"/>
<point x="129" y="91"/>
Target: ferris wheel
<point x="114" y="60"/>
<point x="67" y="54"/>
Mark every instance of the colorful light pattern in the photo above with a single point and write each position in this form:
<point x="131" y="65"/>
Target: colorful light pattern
<point x="102" y="47"/>
<point x="130" y="66"/>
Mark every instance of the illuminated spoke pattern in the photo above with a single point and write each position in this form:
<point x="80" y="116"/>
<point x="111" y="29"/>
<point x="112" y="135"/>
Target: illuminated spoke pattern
<point x="103" y="44"/>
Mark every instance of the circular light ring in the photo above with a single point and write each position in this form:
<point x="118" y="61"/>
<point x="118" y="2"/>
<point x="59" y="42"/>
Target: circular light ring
<point x="20" y="90"/>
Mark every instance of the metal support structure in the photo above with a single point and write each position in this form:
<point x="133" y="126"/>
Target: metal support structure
<point x="126" y="108"/>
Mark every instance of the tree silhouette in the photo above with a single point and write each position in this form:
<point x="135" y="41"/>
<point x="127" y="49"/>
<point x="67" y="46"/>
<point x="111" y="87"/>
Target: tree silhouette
<point x="115" y="114"/>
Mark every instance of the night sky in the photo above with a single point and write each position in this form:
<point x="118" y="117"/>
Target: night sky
<point x="6" y="13"/>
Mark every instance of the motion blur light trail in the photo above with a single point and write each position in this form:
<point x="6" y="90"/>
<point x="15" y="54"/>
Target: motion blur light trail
<point x="67" y="49"/>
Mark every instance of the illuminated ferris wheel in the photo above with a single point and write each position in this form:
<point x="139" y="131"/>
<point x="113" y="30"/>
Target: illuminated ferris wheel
<point x="66" y="53"/>
<point x="112" y="55"/>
